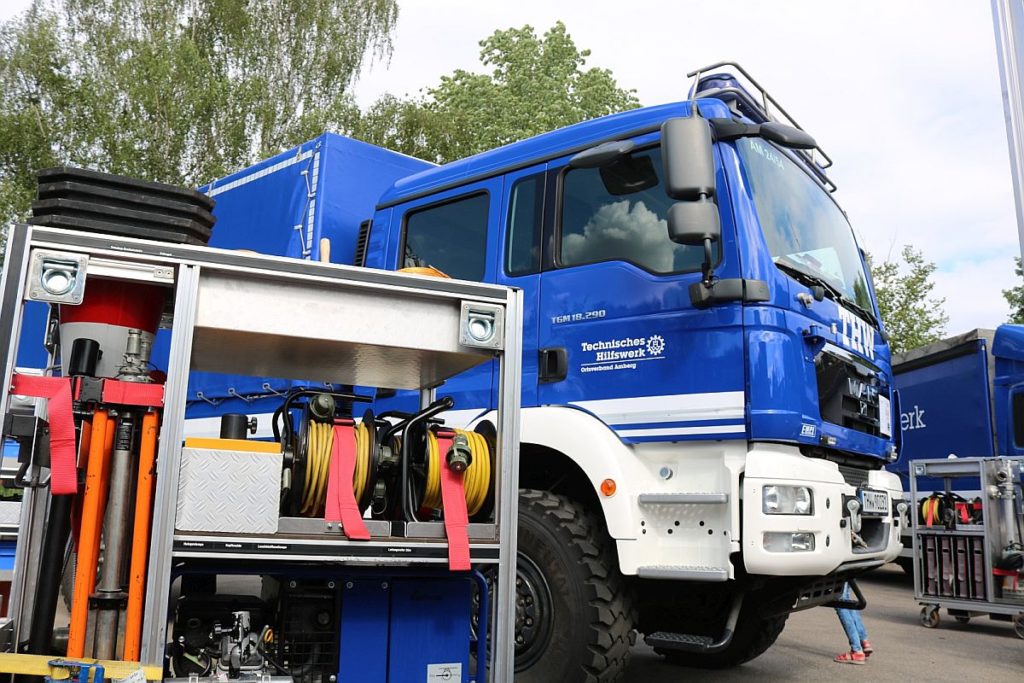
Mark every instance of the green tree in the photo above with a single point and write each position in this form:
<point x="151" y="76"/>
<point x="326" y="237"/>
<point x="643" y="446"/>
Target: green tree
<point x="912" y="316"/>
<point x="535" y="84"/>
<point x="180" y="91"/>
<point x="1015" y="297"/>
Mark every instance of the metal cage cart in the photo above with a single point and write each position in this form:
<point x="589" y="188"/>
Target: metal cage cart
<point x="967" y="552"/>
<point x="343" y="590"/>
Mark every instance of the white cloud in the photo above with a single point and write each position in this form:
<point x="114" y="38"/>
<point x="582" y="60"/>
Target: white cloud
<point x="623" y="230"/>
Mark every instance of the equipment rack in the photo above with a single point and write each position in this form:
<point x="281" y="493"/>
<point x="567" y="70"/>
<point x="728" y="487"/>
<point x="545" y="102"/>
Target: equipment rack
<point x="244" y="313"/>
<point x="954" y="563"/>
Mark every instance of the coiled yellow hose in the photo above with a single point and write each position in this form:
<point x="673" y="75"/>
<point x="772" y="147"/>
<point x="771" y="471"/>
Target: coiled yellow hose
<point x="320" y="443"/>
<point x="476" y="479"/>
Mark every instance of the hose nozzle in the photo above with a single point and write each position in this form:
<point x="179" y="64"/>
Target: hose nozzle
<point x="459" y="456"/>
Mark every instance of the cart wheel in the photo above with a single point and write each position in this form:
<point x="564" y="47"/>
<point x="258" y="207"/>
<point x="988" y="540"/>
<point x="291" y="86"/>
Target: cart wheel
<point x="961" y="619"/>
<point x="930" y="616"/>
<point x="1018" y="625"/>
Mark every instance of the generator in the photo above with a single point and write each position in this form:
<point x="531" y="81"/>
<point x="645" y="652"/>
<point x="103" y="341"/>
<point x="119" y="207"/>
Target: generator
<point x="349" y="546"/>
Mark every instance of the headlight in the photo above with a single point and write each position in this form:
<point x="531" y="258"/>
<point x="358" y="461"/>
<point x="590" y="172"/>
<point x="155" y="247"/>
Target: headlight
<point x="787" y="500"/>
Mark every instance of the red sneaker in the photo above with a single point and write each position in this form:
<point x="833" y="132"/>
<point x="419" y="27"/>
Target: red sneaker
<point x="866" y="646"/>
<point x="851" y="657"/>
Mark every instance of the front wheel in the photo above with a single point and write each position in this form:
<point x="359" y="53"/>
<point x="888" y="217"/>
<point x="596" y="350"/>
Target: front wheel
<point x="574" y="612"/>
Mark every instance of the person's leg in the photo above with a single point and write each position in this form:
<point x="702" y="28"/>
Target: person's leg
<point x="849" y="618"/>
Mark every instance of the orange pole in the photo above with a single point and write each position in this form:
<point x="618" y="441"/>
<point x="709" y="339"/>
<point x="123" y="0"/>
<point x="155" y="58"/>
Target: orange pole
<point x="89" y="535"/>
<point x="140" y="540"/>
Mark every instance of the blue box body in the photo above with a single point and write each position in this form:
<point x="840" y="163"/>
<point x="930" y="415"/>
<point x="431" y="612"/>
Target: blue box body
<point x="945" y="392"/>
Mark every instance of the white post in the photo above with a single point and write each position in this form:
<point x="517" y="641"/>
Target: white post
<point x="1008" y="19"/>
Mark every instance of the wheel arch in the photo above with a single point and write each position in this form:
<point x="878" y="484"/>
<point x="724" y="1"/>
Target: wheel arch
<point x="569" y="451"/>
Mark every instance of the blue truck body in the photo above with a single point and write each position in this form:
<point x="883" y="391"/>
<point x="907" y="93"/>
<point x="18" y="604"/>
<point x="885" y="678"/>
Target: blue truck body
<point x="957" y="397"/>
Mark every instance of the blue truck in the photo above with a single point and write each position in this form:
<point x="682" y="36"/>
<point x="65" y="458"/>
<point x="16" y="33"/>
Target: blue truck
<point x="707" y="396"/>
<point x="959" y="397"/>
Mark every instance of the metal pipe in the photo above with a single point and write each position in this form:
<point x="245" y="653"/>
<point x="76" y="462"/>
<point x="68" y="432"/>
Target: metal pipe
<point x="109" y="595"/>
<point x="51" y="566"/>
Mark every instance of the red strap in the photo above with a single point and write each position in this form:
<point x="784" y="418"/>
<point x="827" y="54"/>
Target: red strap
<point x="133" y="393"/>
<point x="341" y="500"/>
<point x="453" y="500"/>
<point x="57" y="392"/>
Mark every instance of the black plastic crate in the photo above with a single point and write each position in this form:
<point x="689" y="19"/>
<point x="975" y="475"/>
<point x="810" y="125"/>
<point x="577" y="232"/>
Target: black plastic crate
<point x="79" y="199"/>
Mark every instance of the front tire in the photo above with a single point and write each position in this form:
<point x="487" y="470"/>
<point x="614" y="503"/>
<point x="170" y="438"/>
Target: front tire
<point x="574" y="611"/>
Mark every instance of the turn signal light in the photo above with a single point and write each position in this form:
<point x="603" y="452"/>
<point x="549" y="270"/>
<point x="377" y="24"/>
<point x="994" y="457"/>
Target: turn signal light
<point x="608" y="487"/>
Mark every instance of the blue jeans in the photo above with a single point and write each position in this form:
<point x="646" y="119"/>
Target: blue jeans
<point x="852" y="624"/>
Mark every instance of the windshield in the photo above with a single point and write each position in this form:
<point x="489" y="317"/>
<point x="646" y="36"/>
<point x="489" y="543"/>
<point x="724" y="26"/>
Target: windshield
<point x="805" y="230"/>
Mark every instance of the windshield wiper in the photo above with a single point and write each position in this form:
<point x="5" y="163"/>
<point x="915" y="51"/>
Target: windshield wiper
<point x="810" y="279"/>
<point x="834" y="292"/>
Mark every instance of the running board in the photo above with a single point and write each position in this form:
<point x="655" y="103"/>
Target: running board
<point x="683" y="573"/>
<point x="685" y="642"/>
<point x="682" y="498"/>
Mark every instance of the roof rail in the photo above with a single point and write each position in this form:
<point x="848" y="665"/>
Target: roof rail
<point x="725" y="86"/>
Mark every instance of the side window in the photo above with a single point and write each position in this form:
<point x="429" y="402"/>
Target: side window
<point x="451" y="237"/>
<point x="525" y="216"/>
<point x="619" y="212"/>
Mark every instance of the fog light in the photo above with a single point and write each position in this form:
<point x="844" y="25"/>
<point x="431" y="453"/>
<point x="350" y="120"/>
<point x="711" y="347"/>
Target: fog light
<point x="788" y="541"/>
<point x="787" y="500"/>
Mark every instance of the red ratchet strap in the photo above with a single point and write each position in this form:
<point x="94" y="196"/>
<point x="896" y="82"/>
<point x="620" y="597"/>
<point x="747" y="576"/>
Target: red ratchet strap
<point x="453" y="500"/>
<point x="133" y="393"/>
<point x="341" y="500"/>
<point x="57" y="392"/>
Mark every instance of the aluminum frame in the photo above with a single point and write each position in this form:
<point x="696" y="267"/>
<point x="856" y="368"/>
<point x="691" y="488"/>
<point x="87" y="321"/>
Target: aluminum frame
<point x="992" y="530"/>
<point x="190" y="264"/>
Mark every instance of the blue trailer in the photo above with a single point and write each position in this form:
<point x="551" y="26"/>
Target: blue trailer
<point x="957" y="400"/>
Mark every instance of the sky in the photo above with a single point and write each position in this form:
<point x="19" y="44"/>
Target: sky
<point x="904" y="96"/>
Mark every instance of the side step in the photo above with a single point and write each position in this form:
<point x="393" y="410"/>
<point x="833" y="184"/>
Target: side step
<point x="683" y="573"/>
<point x="702" y="498"/>
<point x="685" y="642"/>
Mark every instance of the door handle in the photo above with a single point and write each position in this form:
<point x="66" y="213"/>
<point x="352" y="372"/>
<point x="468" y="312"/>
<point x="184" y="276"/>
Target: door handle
<point x="553" y="364"/>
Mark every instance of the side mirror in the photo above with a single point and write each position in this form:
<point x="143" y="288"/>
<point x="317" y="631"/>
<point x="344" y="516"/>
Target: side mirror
<point x="686" y="153"/>
<point x="696" y="224"/>
<point x="692" y="223"/>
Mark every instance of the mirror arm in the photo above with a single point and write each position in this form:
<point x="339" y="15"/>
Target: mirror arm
<point x="730" y="129"/>
<point x="705" y="268"/>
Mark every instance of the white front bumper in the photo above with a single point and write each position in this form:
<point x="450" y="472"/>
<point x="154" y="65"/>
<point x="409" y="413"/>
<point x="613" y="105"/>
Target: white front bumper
<point x="833" y="542"/>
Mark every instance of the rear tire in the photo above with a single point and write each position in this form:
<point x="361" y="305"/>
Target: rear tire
<point x="574" y="610"/>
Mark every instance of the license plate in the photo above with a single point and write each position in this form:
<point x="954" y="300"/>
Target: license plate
<point x="874" y="502"/>
<point x="884" y="416"/>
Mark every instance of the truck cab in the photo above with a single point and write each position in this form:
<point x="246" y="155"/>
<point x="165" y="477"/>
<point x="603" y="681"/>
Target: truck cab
<point x="714" y="403"/>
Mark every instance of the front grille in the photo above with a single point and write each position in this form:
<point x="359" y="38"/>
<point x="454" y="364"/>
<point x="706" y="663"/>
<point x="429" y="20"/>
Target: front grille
<point x="854" y="476"/>
<point x="847" y="394"/>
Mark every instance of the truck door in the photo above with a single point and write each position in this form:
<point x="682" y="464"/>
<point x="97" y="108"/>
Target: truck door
<point x="618" y="335"/>
<point x="520" y="264"/>
<point x="454" y="232"/>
